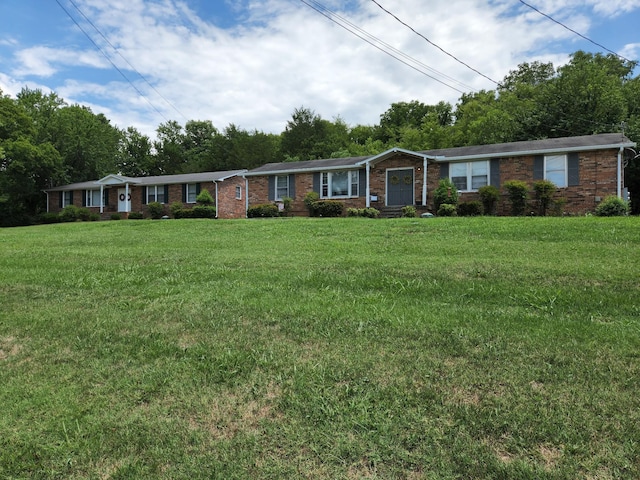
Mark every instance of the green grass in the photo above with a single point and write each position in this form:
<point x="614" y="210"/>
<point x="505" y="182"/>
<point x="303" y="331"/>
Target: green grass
<point x="321" y="348"/>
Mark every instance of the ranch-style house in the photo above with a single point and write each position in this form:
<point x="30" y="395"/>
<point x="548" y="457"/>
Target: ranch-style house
<point x="585" y="169"/>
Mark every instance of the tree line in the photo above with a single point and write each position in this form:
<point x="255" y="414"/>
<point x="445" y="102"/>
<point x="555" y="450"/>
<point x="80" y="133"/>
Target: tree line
<point x="45" y="142"/>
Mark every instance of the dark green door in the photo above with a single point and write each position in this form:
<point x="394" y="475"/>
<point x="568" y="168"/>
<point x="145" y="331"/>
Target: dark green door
<point x="400" y="189"/>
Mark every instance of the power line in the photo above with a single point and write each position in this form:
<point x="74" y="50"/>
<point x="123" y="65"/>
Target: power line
<point x="573" y="31"/>
<point x="379" y="44"/>
<point x="435" y="45"/>
<point x="122" y="57"/>
<point x="109" y="60"/>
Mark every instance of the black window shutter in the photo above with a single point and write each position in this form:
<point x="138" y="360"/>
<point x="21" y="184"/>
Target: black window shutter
<point x="494" y="166"/>
<point x="61" y="199"/>
<point x="84" y="198"/>
<point x="144" y="195"/>
<point x="71" y="197"/>
<point x="166" y="194"/>
<point x="198" y="186"/>
<point x="106" y="196"/>
<point x="292" y="185"/>
<point x="538" y="167"/>
<point x="316" y="183"/>
<point x="573" y="169"/>
<point x="184" y="193"/>
<point x="362" y="183"/>
<point x="272" y="188"/>
<point x="444" y="170"/>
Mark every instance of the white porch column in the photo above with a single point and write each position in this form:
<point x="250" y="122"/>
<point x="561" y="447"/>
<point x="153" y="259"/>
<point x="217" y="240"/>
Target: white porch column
<point x="126" y="198"/>
<point x="101" y="198"/>
<point x="424" y="182"/>
<point x="368" y="189"/>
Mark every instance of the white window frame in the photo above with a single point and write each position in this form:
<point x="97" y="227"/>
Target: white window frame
<point x="191" y="190"/>
<point x="66" y="198"/>
<point x="154" y="197"/>
<point x="553" y="175"/>
<point x="92" y="195"/>
<point x="353" y="184"/>
<point x="238" y="192"/>
<point x="468" y="166"/>
<point x="279" y="188"/>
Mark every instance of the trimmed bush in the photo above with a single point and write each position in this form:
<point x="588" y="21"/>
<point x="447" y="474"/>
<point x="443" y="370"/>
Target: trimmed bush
<point x="544" y="190"/>
<point x="69" y="214"/>
<point x="612" y="206"/>
<point x="183" y="213"/>
<point x="49" y="217"/>
<point x="175" y="207"/>
<point x="263" y="210"/>
<point x="94" y="217"/>
<point x="156" y="210"/>
<point x="115" y="216"/>
<point x="369" y="212"/>
<point x="489" y="196"/>
<point x="204" y="198"/>
<point x="446" y="193"/>
<point x="136" y="216"/>
<point x="204" y="211"/>
<point x="447" y="210"/>
<point x="518" y="192"/>
<point x="309" y="199"/>
<point x="470" y="209"/>
<point x="327" y="208"/>
<point x="409" y="211"/>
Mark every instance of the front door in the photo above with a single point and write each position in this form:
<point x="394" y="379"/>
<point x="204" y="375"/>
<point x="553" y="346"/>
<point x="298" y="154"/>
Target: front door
<point x="400" y="189"/>
<point x="124" y="200"/>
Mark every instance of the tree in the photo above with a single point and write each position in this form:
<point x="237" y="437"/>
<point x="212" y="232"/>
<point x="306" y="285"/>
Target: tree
<point x="42" y="109"/>
<point x="170" y="149"/>
<point x="134" y="154"/>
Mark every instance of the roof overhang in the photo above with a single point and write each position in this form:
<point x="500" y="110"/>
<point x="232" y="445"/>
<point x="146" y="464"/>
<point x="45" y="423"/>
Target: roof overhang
<point x="353" y="166"/>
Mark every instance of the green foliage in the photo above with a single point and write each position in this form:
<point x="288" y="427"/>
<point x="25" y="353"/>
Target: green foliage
<point x="175" y="207"/>
<point x="49" y="217"/>
<point x="205" y="198"/>
<point x="409" y="211"/>
<point x="447" y="210"/>
<point x="518" y="193"/>
<point x="327" y="208"/>
<point x="263" y="210"/>
<point x="470" y="209"/>
<point x="287" y="202"/>
<point x="489" y="196"/>
<point x="183" y="213"/>
<point x="204" y="211"/>
<point x="156" y="210"/>
<point x="446" y="193"/>
<point x="309" y="199"/>
<point x="84" y="214"/>
<point x="368" y="212"/>
<point x="544" y="190"/>
<point x="70" y="213"/>
<point x="136" y="216"/>
<point x="115" y="216"/>
<point x="612" y="206"/>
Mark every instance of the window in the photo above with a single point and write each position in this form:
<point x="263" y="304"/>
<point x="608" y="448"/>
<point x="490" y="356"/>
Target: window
<point x="470" y="175"/>
<point x="238" y="192"/>
<point x="93" y="198"/>
<point x="340" y="184"/>
<point x="282" y="186"/>
<point x="155" y="193"/>
<point x="555" y="169"/>
<point x="191" y="192"/>
<point x="67" y="198"/>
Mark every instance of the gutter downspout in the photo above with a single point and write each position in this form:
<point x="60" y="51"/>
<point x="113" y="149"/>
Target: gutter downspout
<point x="424" y="182"/>
<point x="368" y="189"/>
<point x="47" y="194"/>
<point x="101" y="198"/>
<point x="246" y="196"/>
<point x="619" y="173"/>
<point x="216" y="184"/>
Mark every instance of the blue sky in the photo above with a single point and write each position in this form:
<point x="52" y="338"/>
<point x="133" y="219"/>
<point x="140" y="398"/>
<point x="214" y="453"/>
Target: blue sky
<point x="252" y="62"/>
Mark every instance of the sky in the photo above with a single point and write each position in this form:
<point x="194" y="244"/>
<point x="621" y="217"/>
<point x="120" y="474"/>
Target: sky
<point x="251" y="63"/>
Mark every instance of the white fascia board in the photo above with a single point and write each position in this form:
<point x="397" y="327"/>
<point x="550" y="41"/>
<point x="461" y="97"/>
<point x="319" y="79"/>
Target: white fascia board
<point x="240" y="173"/>
<point x="524" y="153"/>
<point x="392" y="151"/>
<point x="113" y="179"/>
<point x="355" y="166"/>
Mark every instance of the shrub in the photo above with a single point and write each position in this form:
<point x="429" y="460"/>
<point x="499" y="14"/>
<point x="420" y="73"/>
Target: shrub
<point x="612" y="206"/>
<point x="445" y="193"/>
<point x="69" y="214"/>
<point x="136" y="216"/>
<point x="409" y="211"/>
<point x="447" y="210"/>
<point x="84" y="214"/>
<point x="286" y="202"/>
<point x="115" y="216"/>
<point x="489" y="196"/>
<point x="470" y="209"/>
<point x="327" y="208"/>
<point x="518" y="192"/>
<point x="204" y="198"/>
<point x="175" y="207"/>
<point x="49" y="217"/>
<point x="309" y="199"/>
<point x="263" y="210"/>
<point x="156" y="210"/>
<point x="544" y="190"/>
<point x="368" y="212"/>
<point x="183" y="213"/>
<point x="204" y="211"/>
<point x="354" y="212"/>
<point x="94" y="217"/>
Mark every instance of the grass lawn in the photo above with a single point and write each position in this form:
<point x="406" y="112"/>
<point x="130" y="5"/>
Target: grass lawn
<point x="445" y="348"/>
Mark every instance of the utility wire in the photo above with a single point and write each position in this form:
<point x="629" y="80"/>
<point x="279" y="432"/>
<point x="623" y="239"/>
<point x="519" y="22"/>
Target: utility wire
<point x="573" y="31"/>
<point x="379" y="44"/>
<point x="127" y="61"/>
<point x="437" y="46"/>
<point x="109" y="60"/>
